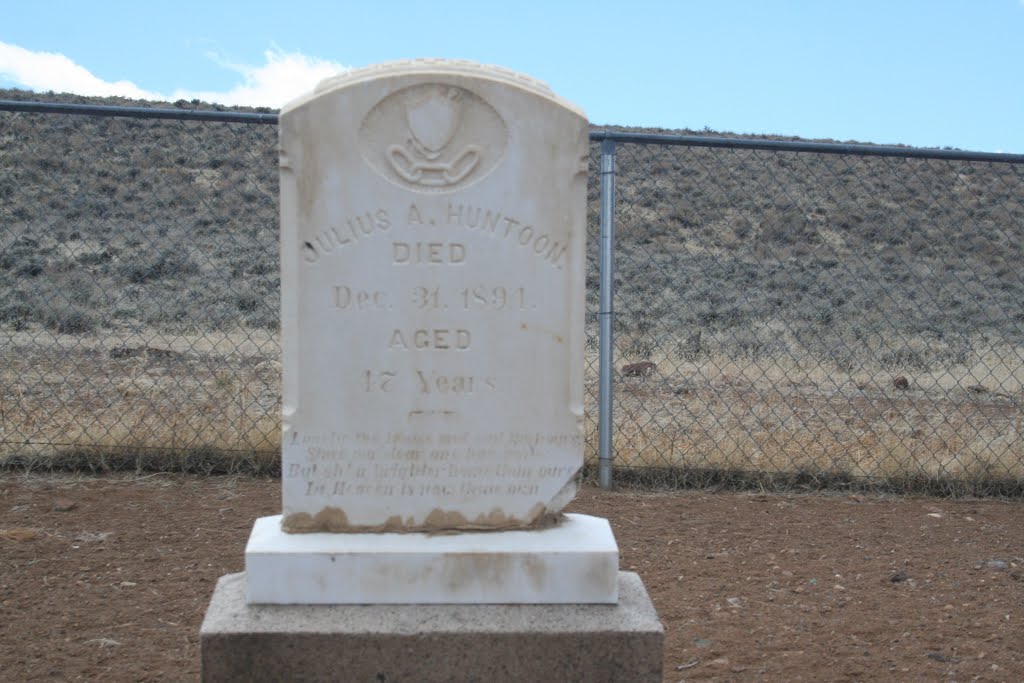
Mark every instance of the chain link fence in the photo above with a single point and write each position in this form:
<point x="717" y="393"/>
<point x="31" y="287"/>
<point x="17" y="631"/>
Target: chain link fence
<point x="139" y="298"/>
<point x="784" y="313"/>
<point x="815" y="314"/>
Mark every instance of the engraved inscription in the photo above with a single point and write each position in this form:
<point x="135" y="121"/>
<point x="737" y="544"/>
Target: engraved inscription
<point x="428" y="252"/>
<point x="346" y="297"/>
<point x="351" y="230"/>
<point x="426" y="297"/>
<point x="507" y="227"/>
<point x="435" y="383"/>
<point x="433" y="137"/>
<point x="535" y="241"/>
<point x="426" y="382"/>
<point x="399" y="464"/>
<point x="497" y="298"/>
<point x="439" y="339"/>
<point x="380" y="380"/>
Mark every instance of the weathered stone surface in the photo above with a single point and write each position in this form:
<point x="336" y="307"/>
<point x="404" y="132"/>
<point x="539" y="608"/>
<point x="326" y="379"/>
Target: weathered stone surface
<point x="432" y="643"/>
<point x="574" y="562"/>
<point x="432" y="241"/>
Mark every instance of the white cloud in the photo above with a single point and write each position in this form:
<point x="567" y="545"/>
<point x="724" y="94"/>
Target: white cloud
<point x="281" y="77"/>
<point x="54" y="71"/>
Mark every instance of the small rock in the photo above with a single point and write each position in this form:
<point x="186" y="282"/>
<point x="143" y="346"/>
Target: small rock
<point x="935" y="514"/>
<point x="901" y="382"/>
<point x="104" y="642"/>
<point x="120" y="352"/>
<point x="899" y="577"/>
<point x="641" y="369"/>
<point x="996" y="565"/>
<point x="721" y="661"/>
<point x="689" y="665"/>
<point x="152" y="352"/>
<point x="19" y="534"/>
<point x="64" y="505"/>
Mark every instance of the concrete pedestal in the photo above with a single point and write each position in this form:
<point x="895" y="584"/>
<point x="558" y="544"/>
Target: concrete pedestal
<point x="576" y="561"/>
<point x="427" y="643"/>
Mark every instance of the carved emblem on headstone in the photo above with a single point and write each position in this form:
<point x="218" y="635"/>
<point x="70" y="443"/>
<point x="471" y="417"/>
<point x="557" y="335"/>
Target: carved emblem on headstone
<point x="453" y="137"/>
<point x="432" y="123"/>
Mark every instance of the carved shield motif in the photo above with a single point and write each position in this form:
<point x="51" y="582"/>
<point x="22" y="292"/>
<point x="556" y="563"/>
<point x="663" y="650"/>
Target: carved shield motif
<point x="433" y="119"/>
<point x="433" y="137"/>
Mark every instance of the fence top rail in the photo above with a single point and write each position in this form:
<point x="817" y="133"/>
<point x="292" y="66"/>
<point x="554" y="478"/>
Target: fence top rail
<point x="138" y="112"/>
<point x="854" y="149"/>
<point x="596" y="136"/>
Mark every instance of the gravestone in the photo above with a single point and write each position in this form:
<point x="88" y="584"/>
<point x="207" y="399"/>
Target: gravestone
<point x="432" y="270"/>
<point x="432" y="277"/>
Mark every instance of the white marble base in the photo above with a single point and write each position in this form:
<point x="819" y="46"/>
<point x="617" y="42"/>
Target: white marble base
<point x="574" y="562"/>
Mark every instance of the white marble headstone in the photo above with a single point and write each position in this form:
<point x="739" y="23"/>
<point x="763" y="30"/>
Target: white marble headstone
<point x="432" y="242"/>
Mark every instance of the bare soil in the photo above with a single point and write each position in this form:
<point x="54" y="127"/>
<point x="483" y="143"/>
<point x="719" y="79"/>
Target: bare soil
<point x="108" y="578"/>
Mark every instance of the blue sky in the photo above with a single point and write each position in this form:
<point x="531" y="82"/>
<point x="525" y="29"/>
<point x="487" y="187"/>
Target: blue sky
<point x="925" y="73"/>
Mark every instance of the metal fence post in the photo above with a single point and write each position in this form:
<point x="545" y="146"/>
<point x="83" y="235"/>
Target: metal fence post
<point x="604" y="411"/>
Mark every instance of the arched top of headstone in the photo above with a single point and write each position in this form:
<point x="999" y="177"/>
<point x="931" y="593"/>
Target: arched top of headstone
<point x="440" y="67"/>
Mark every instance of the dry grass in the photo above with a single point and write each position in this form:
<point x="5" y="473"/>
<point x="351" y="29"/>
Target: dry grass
<point x="957" y="429"/>
<point x="212" y="403"/>
<point x="203" y="402"/>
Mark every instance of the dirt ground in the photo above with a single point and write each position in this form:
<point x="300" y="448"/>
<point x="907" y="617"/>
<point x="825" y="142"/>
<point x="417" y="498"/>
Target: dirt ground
<point x="108" y="577"/>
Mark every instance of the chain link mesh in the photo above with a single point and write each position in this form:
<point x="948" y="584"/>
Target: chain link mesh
<point x="779" y="316"/>
<point x="139" y="304"/>
<point x="819" y="318"/>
